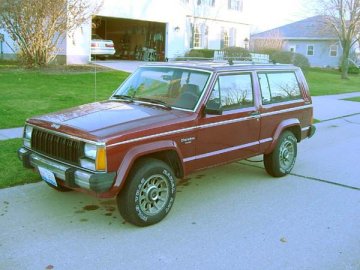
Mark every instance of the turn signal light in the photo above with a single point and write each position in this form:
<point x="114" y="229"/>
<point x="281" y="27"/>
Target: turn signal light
<point x="100" y="163"/>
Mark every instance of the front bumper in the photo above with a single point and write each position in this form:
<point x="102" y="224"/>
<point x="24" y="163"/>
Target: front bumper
<point x="312" y="131"/>
<point x="72" y="176"/>
<point x="102" y="51"/>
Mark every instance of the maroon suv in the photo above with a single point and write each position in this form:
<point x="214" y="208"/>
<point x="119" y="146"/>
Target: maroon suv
<point x="165" y="122"/>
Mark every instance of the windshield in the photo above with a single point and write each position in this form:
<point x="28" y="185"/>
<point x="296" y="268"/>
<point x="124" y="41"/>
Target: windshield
<point x="173" y="87"/>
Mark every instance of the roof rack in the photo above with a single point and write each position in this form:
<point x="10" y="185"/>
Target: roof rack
<point x="253" y="59"/>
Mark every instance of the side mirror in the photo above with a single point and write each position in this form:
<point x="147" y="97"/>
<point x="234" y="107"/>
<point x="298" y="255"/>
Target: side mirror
<point x="213" y="108"/>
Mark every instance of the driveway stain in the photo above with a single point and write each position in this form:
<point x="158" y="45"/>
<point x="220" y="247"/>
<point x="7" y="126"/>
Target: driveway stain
<point x="108" y="209"/>
<point x="91" y="207"/>
<point x="108" y="202"/>
<point x="4" y="209"/>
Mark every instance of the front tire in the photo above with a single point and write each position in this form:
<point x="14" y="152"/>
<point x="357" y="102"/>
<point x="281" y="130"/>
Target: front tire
<point x="282" y="159"/>
<point x="149" y="193"/>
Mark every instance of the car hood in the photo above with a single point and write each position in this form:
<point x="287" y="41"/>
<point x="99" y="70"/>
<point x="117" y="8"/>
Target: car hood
<point x="110" y="118"/>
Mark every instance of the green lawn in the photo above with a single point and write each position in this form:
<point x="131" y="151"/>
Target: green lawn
<point x="25" y="93"/>
<point x="328" y="82"/>
<point x="12" y="171"/>
<point x="357" y="99"/>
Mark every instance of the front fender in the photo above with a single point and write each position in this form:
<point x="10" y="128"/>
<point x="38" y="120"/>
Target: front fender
<point x="289" y="124"/>
<point x="140" y="151"/>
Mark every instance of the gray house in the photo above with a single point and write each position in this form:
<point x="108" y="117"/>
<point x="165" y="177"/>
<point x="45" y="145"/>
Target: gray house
<point x="310" y="37"/>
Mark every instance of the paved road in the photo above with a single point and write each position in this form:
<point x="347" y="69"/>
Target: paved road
<point x="231" y="217"/>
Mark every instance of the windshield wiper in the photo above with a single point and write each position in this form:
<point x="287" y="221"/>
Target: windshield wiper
<point x="154" y="101"/>
<point x="124" y="97"/>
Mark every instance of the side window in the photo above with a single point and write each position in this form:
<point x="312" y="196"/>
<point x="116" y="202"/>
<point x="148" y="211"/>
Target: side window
<point x="278" y="87"/>
<point x="233" y="92"/>
<point x="265" y="88"/>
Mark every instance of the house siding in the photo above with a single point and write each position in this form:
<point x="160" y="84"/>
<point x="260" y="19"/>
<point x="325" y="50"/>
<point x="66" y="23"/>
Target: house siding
<point x="321" y="57"/>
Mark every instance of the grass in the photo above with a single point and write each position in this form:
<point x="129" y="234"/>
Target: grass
<point x="12" y="171"/>
<point x="357" y="99"/>
<point x="25" y="93"/>
<point x="328" y="82"/>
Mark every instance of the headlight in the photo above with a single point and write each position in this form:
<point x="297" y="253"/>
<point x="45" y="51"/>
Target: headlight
<point x="90" y="150"/>
<point x="27" y="135"/>
<point x="28" y="132"/>
<point x="94" y="157"/>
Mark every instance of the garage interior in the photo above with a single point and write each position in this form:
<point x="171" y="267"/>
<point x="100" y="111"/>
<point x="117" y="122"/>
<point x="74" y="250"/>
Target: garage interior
<point x="133" y="39"/>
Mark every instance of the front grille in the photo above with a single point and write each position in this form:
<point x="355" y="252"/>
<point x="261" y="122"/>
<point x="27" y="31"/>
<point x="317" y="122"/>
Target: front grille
<point x="55" y="146"/>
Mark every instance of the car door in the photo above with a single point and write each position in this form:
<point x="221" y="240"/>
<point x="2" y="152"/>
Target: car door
<point x="233" y="134"/>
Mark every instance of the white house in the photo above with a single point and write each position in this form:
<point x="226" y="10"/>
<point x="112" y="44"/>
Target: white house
<point x="171" y="27"/>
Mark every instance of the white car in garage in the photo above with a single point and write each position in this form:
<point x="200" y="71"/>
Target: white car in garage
<point x="100" y="47"/>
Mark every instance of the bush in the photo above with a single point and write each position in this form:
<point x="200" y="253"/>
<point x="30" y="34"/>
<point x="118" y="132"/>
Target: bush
<point x="201" y="53"/>
<point x="237" y="52"/>
<point x="290" y="58"/>
<point x="352" y="70"/>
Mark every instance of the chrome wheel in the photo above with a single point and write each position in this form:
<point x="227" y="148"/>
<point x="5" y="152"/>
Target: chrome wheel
<point x="149" y="192"/>
<point x="282" y="159"/>
<point x="287" y="154"/>
<point x="154" y="194"/>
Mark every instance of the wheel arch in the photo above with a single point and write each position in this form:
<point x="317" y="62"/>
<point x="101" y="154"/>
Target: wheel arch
<point x="292" y="125"/>
<point x="166" y="151"/>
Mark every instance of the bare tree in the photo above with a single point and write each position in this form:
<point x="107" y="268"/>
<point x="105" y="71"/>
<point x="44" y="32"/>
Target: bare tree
<point x="344" y="17"/>
<point x="38" y="27"/>
<point x="272" y="42"/>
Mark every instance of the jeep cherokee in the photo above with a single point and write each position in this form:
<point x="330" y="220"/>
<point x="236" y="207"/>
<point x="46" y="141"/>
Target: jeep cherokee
<point x="165" y="122"/>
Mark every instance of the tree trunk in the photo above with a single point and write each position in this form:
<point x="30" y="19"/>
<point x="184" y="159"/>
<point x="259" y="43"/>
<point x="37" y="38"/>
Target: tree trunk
<point x="345" y="61"/>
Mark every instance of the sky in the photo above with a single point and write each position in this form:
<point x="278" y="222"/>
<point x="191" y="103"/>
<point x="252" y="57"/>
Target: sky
<point x="269" y="14"/>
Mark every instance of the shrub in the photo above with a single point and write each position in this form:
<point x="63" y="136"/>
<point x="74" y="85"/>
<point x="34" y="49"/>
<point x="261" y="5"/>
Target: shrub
<point x="201" y="53"/>
<point x="290" y="58"/>
<point x="352" y="69"/>
<point x="237" y="52"/>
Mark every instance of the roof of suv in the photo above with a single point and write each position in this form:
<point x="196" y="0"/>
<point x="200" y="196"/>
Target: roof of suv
<point x="224" y="65"/>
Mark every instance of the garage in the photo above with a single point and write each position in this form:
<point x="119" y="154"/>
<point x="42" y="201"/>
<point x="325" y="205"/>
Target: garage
<point x="133" y="39"/>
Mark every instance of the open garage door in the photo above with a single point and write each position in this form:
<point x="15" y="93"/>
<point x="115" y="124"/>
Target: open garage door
<point x="133" y="39"/>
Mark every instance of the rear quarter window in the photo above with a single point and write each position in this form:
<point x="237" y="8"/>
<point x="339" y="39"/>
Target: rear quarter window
<point x="278" y="87"/>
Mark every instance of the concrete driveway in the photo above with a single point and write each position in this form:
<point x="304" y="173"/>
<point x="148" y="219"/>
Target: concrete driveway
<point x="124" y="65"/>
<point x="231" y="217"/>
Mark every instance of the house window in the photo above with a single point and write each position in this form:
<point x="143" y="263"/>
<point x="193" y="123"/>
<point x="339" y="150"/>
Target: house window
<point x="310" y="50"/>
<point x="210" y="3"/>
<point x="235" y="5"/>
<point x="197" y="37"/>
<point x="292" y="49"/>
<point x="224" y="39"/>
<point x="333" y="50"/>
<point x="232" y="37"/>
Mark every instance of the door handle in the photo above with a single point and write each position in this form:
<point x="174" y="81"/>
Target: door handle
<point x="255" y="114"/>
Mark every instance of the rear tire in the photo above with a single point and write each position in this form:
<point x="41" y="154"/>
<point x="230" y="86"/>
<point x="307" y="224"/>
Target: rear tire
<point x="282" y="159"/>
<point x="149" y="193"/>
